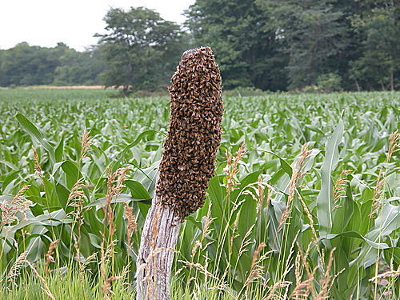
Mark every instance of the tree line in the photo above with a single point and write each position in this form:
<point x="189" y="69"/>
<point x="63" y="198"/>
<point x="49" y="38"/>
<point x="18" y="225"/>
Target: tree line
<point x="26" y="65"/>
<point x="274" y="45"/>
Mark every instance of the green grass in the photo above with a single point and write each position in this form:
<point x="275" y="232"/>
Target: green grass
<point x="281" y="219"/>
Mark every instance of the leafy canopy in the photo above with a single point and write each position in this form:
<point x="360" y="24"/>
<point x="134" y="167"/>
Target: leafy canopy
<point x="140" y="48"/>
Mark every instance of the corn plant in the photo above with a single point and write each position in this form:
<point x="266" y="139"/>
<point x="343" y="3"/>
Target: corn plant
<point x="304" y="203"/>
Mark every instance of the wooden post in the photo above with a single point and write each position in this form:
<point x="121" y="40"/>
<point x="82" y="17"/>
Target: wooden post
<point x="186" y="167"/>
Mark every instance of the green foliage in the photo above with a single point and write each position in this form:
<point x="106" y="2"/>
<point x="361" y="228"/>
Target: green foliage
<point x="79" y="68"/>
<point x="244" y="40"/>
<point x="140" y="48"/>
<point x="271" y="45"/>
<point x="314" y="35"/>
<point x="329" y="82"/>
<point x="26" y="65"/>
<point x="325" y="83"/>
<point x="378" y="67"/>
<point x="276" y="212"/>
<point x="288" y="45"/>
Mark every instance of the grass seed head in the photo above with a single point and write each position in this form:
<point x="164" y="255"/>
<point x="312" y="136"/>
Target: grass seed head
<point x="194" y="133"/>
<point x="38" y="168"/>
<point x="131" y="225"/>
<point x="85" y="144"/>
<point x="394" y="145"/>
<point x="10" y="210"/>
<point x="49" y="256"/>
<point x="15" y="269"/>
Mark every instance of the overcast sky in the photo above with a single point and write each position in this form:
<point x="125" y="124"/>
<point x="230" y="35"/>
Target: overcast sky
<point x="74" y="22"/>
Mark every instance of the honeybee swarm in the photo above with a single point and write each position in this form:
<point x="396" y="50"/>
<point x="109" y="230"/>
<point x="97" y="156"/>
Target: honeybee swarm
<point x="194" y="133"/>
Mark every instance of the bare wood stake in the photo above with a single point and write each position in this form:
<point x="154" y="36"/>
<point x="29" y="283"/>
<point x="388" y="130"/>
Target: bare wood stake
<point x="160" y="234"/>
<point x="186" y="167"/>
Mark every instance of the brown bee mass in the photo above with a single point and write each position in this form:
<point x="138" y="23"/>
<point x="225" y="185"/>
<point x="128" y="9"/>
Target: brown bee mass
<point x="194" y="133"/>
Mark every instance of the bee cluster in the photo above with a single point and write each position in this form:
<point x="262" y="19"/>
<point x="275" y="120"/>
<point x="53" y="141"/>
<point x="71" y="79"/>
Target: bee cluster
<point x="194" y="133"/>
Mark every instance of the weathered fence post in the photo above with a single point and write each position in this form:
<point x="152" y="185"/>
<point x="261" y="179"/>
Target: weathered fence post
<point x="186" y="167"/>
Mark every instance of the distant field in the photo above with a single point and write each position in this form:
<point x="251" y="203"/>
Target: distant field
<point x="57" y="87"/>
<point x="305" y="202"/>
<point x="67" y="87"/>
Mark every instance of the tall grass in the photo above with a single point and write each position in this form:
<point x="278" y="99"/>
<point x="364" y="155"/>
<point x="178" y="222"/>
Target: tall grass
<point x="304" y="203"/>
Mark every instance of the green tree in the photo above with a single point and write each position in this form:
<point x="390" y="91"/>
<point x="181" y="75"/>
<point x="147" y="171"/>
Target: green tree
<point x="140" y="48"/>
<point x="28" y="65"/>
<point x="244" y="40"/>
<point x="79" y="68"/>
<point x="25" y="65"/>
<point x="3" y="79"/>
<point x="379" y="65"/>
<point x="316" y="38"/>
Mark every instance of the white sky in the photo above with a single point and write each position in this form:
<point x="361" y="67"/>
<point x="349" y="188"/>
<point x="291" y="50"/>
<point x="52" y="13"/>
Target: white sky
<point x="74" y="22"/>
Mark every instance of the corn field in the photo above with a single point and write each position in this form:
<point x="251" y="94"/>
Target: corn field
<point x="304" y="203"/>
